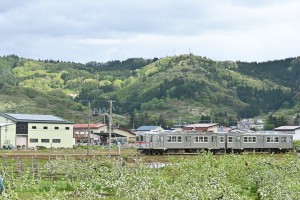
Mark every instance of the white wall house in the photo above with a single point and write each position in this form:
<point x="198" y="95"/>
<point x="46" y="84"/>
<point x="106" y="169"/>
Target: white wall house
<point x="293" y="130"/>
<point x="27" y="130"/>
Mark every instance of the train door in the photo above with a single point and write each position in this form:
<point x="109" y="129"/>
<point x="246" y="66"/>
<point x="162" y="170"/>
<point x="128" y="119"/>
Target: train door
<point x="160" y="141"/>
<point x="187" y="141"/>
<point x="152" y="139"/>
<point x="214" y="142"/>
<point x="284" y="141"/>
<point x="237" y="142"/>
<point x="262" y="141"/>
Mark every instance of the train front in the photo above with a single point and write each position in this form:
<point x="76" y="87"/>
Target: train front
<point x="142" y="141"/>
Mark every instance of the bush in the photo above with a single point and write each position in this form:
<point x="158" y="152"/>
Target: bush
<point x="296" y="144"/>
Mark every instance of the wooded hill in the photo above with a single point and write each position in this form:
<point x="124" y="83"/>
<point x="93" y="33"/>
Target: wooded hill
<point x="166" y="91"/>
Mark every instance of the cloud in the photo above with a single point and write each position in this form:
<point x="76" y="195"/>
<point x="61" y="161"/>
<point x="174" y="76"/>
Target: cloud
<point x="81" y="31"/>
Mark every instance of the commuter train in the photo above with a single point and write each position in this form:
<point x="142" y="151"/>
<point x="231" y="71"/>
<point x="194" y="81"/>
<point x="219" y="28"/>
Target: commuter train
<point x="194" y="142"/>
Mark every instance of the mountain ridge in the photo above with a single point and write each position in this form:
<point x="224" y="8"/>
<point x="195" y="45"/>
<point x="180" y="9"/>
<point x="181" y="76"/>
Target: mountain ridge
<point x="166" y="89"/>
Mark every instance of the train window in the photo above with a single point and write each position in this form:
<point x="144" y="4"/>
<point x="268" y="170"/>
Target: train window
<point x="249" y="139"/>
<point x="272" y="139"/>
<point x="173" y="138"/>
<point x="142" y="138"/>
<point x="168" y="138"/>
<point x="283" y="139"/>
<point x="196" y="138"/>
<point x="230" y="139"/>
<point x="201" y="139"/>
<point x="222" y="139"/>
<point x="179" y="139"/>
<point x="137" y="138"/>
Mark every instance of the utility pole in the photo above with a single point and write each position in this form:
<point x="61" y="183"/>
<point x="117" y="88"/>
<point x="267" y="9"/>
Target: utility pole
<point x="110" y="124"/>
<point x="89" y="135"/>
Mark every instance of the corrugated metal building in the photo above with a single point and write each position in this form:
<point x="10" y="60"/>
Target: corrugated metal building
<point x="31" y="130"/>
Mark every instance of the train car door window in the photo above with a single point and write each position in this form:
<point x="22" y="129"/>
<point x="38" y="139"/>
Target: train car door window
<point x="283" y="139"/>
<point x="230" y="139"/>
<point x="222" y="139"/>
<point x="160" y="138"/>
<point x="187" y="141"/>
<point x="187" y="138"/>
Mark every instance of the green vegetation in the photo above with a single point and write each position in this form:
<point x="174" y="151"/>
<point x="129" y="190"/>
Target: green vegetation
<point x="205" y="176"/>
<point x="153" y="91"/>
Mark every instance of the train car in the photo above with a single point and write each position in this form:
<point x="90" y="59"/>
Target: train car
<point x="193" y="142"/>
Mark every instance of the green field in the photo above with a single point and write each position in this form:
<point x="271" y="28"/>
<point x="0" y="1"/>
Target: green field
<point x="128" y="176"/>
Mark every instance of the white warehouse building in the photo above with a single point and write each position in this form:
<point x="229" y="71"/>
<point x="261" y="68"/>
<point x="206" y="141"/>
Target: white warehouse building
<point x="293" y="130"/>
<point x="30" y="130"/>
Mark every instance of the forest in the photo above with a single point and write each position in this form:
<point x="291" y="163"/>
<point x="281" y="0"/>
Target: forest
<point x="159" y="91"/>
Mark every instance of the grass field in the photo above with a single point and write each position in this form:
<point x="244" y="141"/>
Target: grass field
<point x="70" y="174"/>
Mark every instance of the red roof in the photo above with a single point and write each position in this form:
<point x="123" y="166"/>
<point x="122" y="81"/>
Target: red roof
<point x="86" y="125"/>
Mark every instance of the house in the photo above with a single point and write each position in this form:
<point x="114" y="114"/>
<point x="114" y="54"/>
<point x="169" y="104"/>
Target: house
<point x="31" y="130"/>
<point x="294" y="130"/>
<point x="149" y="129"/>
<point x="211" y="127"/>
<point x="178" y="127"/>
<point x="81" y="132"/>
<point x="99" y="133"/>
<point x="247" y="124"/>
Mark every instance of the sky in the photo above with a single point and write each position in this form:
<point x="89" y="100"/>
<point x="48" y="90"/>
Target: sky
<point x="105" y="30"/>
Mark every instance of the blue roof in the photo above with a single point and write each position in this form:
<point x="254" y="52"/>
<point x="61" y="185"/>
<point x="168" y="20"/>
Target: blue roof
<point x="147" y="128"/>
<point x="35" y="118"/>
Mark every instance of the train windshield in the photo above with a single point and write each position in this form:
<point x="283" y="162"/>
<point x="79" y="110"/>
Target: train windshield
<point x="140" y="138"/>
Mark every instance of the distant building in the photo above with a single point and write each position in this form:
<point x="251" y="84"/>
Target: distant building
<point x="211" y="127"/>
<point x="30" y="130"/>
<point x="294" y="130"/>
<point x="149" y="129"/>
<point x="81" y="132"/>
<point x="178" y="127"/>
<point x="247" y="124"/>
<point x="99" y="133"/>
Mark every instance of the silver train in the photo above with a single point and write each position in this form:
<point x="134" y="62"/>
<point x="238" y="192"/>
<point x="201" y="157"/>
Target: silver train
<point x="194" y="142"/>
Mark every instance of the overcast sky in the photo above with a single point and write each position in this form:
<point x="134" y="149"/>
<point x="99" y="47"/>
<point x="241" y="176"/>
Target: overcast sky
<point x="103" y="30"/>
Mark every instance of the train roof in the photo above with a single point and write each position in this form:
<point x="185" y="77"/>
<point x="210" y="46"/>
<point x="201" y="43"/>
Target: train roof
<point x="212" y="133"/>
